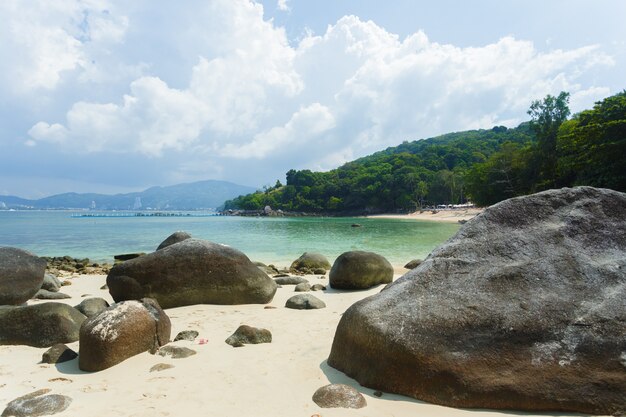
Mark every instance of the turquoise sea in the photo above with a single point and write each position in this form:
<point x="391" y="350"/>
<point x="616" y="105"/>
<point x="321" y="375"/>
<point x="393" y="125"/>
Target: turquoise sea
<point x="269" y="240"/>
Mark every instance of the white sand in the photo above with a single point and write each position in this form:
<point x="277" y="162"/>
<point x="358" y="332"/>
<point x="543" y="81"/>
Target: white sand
<point x="276" y="379"/>
<point x="446" y="215"/>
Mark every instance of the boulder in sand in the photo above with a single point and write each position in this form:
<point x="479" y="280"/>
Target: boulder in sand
<point x="192" y="272"/>
<point x="524" y="308"/>
<point x="412" y="264"/>
<point x="175" y="237"/>
<point x="310" y="261"/>
<point x="51" y="283"/>
<point x="245" y="335"/>
<point x="50" y="295"/>
<point x="39" y="325"/>
<point x="358" y="270"/>
<point x="37" y="404"/>
<point x="58" y="353"/>
<point x="123" y="330"/>
<point x="304" y="302"/>
<point x="339" y="396"/>
<point x="92" y="306"/>
<point x="21" y="275"/>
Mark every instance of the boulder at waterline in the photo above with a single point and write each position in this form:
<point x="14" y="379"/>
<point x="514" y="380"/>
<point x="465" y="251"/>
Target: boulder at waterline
<point x="92" y="306"/>
<point x="175" y="237"/>
<point x="58" y="353"/>
<point x="37" y="404"/>
<point x="309" y="261"/>
<point x="304" y="302"/>
<point x="339" y="396"/>
<point x="192" y="272"/>
<point x="123" y="330"/>
<point x="359" y="270"/>
<point x="412" y="264"/>
<point x="524" y="308"/>
<point x="21" y="275"/>
<point x="39" y="325"/>
<point x="245" y="335"/>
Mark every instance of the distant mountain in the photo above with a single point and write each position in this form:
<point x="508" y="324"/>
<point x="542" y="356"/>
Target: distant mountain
<point x="190" y="196"/>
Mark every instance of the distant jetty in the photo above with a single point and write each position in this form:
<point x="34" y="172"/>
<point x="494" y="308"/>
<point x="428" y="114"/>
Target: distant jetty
<point x="140" y="214"/>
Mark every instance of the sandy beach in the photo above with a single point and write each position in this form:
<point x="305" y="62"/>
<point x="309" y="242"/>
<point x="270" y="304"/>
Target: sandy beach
<point x="276" y="379"/>
<point x="446" y="215"/>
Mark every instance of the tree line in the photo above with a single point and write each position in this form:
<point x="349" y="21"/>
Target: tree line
<point x="482" y="166"/>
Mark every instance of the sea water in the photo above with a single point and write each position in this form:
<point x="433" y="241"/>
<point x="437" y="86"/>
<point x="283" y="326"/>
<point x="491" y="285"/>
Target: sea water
<point x="266" y="239"/>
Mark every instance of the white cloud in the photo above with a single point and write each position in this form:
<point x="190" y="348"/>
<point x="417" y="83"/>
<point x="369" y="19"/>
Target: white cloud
<point x="283" y="6"/>
<point x="248" y="95"/>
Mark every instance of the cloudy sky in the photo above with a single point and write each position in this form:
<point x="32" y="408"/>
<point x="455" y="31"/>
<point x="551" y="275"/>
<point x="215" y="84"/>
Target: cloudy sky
<point x="114" y="96"/>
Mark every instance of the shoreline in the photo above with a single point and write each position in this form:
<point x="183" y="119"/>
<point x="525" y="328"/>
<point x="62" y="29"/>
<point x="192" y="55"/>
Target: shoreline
<point x="443" y="216"/>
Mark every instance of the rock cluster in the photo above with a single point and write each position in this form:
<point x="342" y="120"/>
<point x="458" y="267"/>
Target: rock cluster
<point x="524" y="308"/>
<point x="58" y="265"/>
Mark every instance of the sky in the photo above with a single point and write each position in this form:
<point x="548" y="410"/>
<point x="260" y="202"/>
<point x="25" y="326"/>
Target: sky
<point x="117" y="96"/>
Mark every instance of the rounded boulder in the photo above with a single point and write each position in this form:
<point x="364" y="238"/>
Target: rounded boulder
<point x="358" y="270"/>
<point x="21" y="275"/>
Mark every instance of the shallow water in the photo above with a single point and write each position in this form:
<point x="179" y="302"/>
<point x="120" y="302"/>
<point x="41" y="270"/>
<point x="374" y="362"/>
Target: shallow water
<point x="273" y="240"/>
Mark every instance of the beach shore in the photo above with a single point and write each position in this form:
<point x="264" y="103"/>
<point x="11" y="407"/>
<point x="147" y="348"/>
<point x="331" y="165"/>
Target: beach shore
<point x="275" y="379"/>
<point x="445" y="215"/>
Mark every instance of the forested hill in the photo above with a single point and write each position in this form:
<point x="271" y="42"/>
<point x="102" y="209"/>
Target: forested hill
<point x="399" y="178"/>
<point x="484" y="166"/>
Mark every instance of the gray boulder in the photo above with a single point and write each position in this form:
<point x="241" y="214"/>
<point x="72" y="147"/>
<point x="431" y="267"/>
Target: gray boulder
<point x="175" y="237"/>
<point x="339" y="396"/>
<point x="51" y="283"/>
<point x="92" y="306"/>
<point x="37" y="404"/>
<point x="304" y="302"/>
<point x="123" y="330"/>
<point x="310" y="261"/>
<point x="21" y="275"/>
<point x="358" y="270"/>
<point x="50" y="295"/>
<point x="192" y="272"/>
<point x="303" y="287"/>
<point x="58" y="353"/>
<point x="249" y="335"/>
<point x="524" y="308"/>
<point x="39" y="325"/>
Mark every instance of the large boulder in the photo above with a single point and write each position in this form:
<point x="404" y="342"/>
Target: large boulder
<point x="358" y="270"/>
<point x="309" y="262"/>
<point x="175" y="237"/>
<point x="39" y="325"/>
<point x="524" y="308"/>
<point x="21" y="275"/>
<point x="123" y="330"/>
<point x="192" y="272"/>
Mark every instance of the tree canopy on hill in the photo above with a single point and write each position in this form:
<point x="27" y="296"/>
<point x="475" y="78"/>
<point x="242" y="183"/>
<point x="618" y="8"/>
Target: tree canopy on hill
<point x="484" y="166"/>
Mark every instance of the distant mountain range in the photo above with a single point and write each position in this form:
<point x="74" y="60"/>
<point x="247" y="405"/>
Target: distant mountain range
<point x="191" y="196"/>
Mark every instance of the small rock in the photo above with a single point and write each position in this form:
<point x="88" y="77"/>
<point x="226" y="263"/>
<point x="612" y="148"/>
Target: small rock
<point x="50" y="283"/>
<point x="281" y="275"/>
<point x="186" y="335"/>
<point x="37" y="404"/>
<point x="378" y="394"/>
<point x="339" y="396"/>
<point x="104" y="287"/>
<point x="304" y="302"/>
<point x="269" y="308"/>
<point x="318" y="287"/>
<point x="356" y="225"/>
<point x="176" y="352"/>
<point x="289" y="280"/>
<point x="412" y="264"/>
<point x="249" y="335"/>
<point x="319" y="271"/>
<point x="161" y="367"/>
<point x="49" y="295"/>
<point x="303" y="287"/>
<point x="58" y="353"/>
